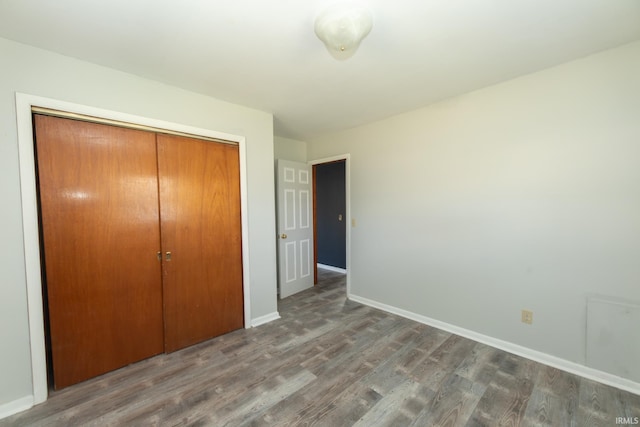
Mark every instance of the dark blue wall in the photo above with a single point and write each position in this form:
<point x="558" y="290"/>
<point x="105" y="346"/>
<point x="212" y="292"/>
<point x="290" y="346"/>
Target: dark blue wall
<point x="330" y="203"/>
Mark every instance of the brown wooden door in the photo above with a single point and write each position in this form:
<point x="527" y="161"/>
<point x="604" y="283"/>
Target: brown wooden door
<point x="200" y="222"/>
<point x="99" y="211"/>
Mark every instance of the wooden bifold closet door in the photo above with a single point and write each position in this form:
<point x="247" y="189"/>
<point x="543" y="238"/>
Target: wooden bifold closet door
<point x="200" y="217"/>
<point x="114" y="202"/>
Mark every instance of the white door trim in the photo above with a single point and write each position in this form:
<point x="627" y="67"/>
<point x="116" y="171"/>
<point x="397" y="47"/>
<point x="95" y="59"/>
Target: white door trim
<point x="24" y="103"/>
<point x="347" y="183"/>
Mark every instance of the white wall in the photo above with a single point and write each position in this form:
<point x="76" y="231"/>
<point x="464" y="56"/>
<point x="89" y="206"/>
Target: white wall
<point x="525" y="194"/>
<point x="290" y="149"/>
<point x="37" y="72"/>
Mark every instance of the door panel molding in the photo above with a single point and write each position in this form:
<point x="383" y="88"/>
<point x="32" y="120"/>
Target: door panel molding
<point x="289" y="209"/>
<point x="305" y="253"/>
<point x="305" y="208"/>
<point x="291" y="262"/>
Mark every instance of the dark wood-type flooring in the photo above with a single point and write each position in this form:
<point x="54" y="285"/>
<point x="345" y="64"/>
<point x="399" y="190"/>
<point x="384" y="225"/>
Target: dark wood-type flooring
<point x="333" y="362"/>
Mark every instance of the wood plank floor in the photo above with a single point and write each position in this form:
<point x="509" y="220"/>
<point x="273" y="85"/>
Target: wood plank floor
<point x="332" y="362"/>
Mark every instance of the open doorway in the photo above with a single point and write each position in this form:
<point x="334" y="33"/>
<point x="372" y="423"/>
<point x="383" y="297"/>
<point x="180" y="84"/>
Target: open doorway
<point x="331" y="215"/>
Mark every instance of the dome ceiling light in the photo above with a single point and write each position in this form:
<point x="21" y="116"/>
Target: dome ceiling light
<point x="342" y="27"/>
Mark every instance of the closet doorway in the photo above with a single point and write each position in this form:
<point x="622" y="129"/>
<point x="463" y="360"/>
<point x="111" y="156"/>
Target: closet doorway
<point x="141" y="242"/>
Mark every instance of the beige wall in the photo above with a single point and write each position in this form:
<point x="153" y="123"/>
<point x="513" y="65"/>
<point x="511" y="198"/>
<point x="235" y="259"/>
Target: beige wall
<point x="525" y="194"/>
<point x="41" y="73"/>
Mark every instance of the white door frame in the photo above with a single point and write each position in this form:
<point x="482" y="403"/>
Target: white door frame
<point x="347" y="183"/>
<point x="24" y="104"/>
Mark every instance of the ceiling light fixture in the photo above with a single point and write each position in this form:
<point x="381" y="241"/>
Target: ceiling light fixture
<point x="342" y="27"/>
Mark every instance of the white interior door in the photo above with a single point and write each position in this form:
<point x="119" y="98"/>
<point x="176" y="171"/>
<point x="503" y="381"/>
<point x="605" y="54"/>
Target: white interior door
<point x="295" y="227"/>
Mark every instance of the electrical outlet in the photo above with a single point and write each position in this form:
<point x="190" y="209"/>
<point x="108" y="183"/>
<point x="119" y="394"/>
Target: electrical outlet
<point x="527" y="316"/>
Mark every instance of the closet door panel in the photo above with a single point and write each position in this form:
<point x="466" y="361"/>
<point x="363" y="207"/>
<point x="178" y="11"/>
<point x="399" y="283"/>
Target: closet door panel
<point x="100" y="230"/>
<point x="201" y="228"/>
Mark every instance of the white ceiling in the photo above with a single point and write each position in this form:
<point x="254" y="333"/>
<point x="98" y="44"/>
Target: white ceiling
<point x="264" y="54"/>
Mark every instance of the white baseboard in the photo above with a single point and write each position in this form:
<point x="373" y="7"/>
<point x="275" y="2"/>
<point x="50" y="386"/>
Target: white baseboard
<point x="265" y="319"/>
<point x="16" y="406"/>
<point x="332" y="268"/>
<point x="537" y="356"/>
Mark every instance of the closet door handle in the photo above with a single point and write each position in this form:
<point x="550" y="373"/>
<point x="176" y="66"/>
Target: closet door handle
<point x="168" y="256"/>
<point x="159" y="255"/>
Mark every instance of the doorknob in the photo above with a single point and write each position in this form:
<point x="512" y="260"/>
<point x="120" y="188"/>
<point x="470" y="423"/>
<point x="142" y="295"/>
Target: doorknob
<point x="168" y="256"/>
<point x="283" y="236"/>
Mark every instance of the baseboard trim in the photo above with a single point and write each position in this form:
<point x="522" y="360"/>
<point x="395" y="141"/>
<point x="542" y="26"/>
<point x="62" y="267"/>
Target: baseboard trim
<point x="332" y="268"/>
<point x="19" y="405"/>
<point x="265" y="319"/>
<point x="536" y="356"/>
